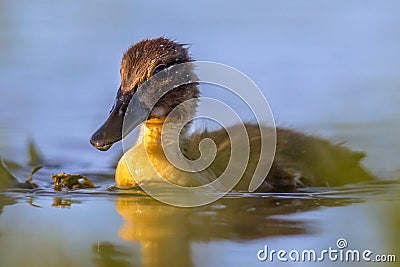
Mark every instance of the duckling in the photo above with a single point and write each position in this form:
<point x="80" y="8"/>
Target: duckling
<point x="300" y="159"/>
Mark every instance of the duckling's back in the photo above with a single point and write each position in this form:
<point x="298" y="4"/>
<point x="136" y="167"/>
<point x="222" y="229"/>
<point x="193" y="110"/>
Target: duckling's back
<point x="300" y="160"/>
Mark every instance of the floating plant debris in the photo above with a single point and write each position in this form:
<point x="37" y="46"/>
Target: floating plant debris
<point x="70" y="181"/>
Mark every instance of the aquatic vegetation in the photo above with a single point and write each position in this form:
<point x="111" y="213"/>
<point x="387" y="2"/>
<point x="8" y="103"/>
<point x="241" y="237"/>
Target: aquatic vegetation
<point x="8" y="180"/>
<point x="35" y="156"/>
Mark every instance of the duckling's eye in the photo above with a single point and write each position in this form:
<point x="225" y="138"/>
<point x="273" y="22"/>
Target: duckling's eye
<point x="159" y="68"/>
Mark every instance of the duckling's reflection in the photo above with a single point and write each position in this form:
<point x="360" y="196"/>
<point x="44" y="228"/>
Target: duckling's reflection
<point x="166" y="232"/>
<point x="163" y="231"/>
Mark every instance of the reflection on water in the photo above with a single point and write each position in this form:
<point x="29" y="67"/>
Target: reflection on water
<point x="62" y="202"/>
<point x="128" y="229"/>
<point x="107" y="254"/>
<point x="5" y="201"/>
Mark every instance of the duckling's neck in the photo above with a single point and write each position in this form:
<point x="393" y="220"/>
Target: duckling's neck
<point x="152" y="131"/>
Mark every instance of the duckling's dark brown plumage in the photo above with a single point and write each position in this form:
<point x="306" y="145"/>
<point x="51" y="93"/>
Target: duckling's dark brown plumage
<point x="300" y="160"/>
<point x="140" y="62"/>
<point x="141" y="59"/>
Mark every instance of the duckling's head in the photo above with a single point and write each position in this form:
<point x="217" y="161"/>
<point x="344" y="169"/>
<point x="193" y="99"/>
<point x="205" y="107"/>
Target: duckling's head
<point x="139" y="63"/>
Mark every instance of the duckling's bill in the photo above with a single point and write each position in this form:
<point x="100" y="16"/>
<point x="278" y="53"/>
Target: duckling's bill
<point x="112" y="129"/>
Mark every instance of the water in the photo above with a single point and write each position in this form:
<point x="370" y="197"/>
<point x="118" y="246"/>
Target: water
<point x="331" y="70"/>
<point x="130" y="229"/>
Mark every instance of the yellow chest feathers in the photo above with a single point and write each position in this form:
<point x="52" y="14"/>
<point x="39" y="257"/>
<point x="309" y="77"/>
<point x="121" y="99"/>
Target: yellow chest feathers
<point x="146" y="162"/>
